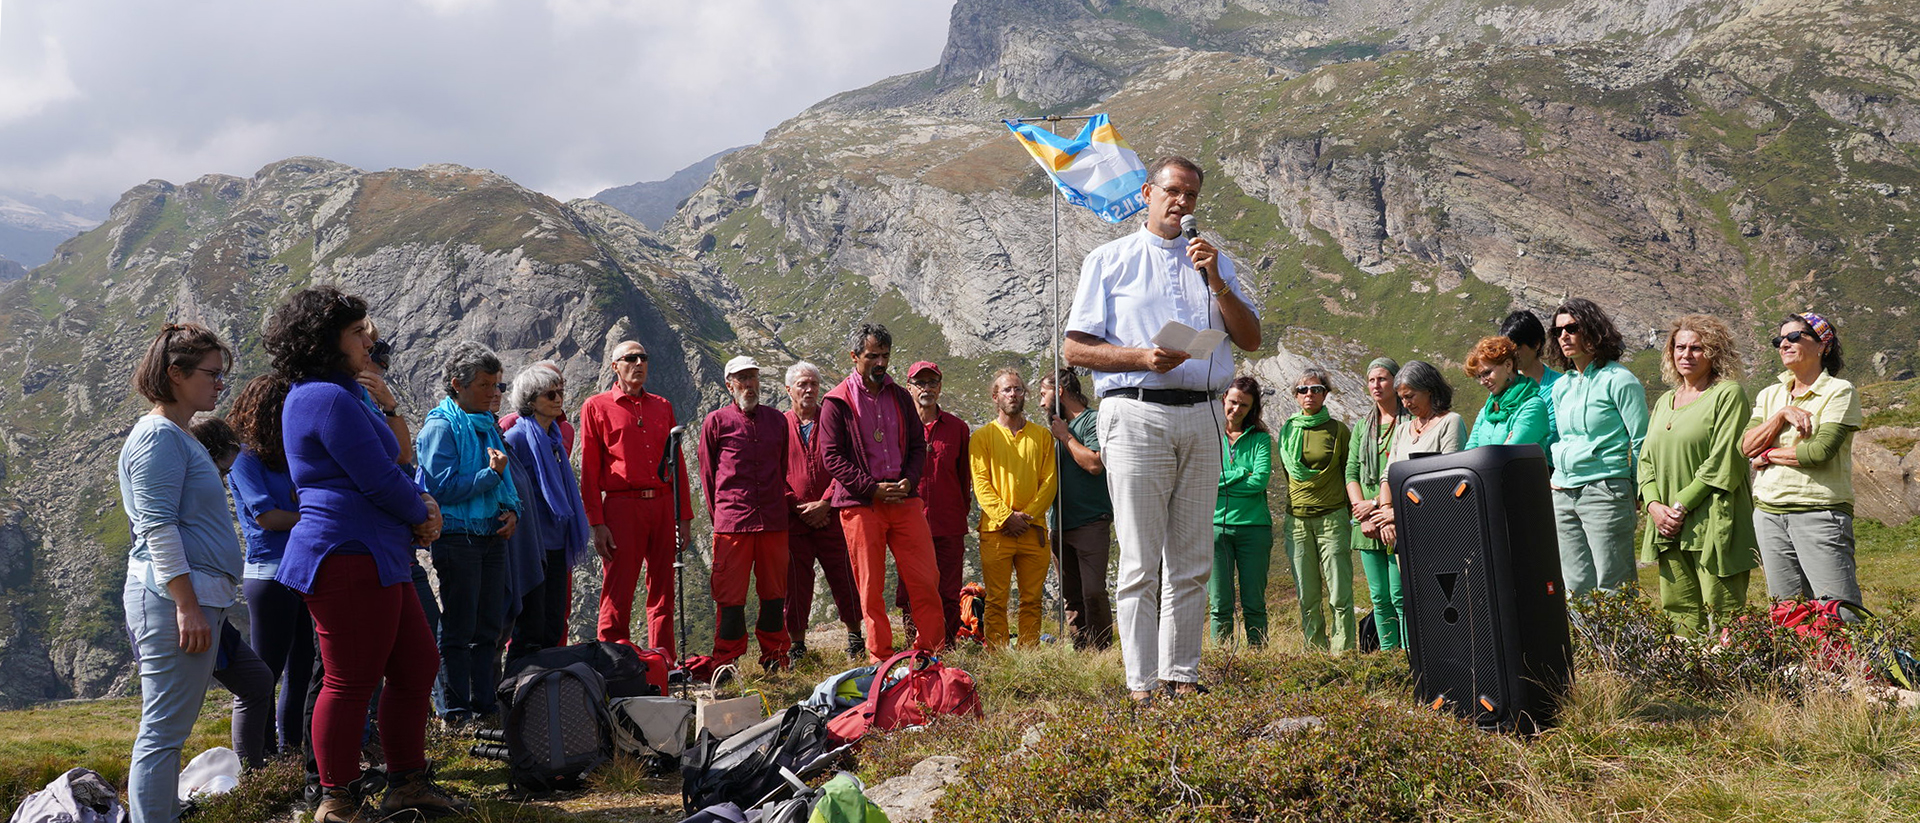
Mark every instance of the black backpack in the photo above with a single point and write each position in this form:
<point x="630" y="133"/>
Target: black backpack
<point x="745" y="768"/>
<point x="558" y="728"/>
<point x="620" y="666"/>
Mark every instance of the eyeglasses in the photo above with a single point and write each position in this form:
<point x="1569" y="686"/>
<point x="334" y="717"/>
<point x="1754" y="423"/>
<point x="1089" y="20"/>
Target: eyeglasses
<point x="1795" y="336"/>
<point x="1179" y="194"/>
<point x="1303" y="390"/>
<point x="554" y="395"/>
<point x="221" y="377"/>
<point x="1570" y="328"/>
<point x="1483" y="373"/>
<point x="633" y="357"/>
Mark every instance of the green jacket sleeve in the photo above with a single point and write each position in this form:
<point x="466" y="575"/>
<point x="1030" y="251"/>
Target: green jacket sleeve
<point x="1251" y="475"/>
<point x="1355" y="435"/>
<point x="1827" y="441"/>
<point x="1529" y="424"/>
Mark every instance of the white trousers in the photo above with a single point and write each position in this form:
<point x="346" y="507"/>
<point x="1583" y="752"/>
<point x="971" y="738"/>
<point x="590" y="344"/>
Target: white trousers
<point x="1163" y="472"/>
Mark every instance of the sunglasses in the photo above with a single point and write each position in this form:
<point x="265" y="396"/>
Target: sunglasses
<point x="555" y="395"/>
<point x="1793" y="337"/>
<point x="1570" y="328"/>
<point x="633" y="357"/>
<point x="1309" y="389"/>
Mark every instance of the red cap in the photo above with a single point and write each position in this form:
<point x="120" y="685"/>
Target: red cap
<point x="923" y="365"/>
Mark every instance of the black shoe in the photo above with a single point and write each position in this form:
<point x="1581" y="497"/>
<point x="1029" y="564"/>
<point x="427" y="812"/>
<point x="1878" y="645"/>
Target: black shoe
<point x="797" y="651"/>
<point x="856" y="645"/>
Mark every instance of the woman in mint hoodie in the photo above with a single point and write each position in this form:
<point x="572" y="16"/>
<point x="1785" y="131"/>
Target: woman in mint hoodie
<point x="1599" y="420"/>
<point x="1313" y="449"/>
<point x="465" y="465"/>
<point x="1242" y="526"/>
<point x="1516" y="408"/>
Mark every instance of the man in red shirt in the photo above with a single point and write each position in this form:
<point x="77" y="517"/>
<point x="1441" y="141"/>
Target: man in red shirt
<point x="946" y="487"/>
<point x="875" y="453"/>
<point x="743" y="467"/>
<point x="623" y="451"/>
<point x="813" y="530"/>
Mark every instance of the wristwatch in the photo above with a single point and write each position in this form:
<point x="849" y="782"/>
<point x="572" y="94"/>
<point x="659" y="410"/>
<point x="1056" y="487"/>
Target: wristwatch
<point x="391" y="411"/>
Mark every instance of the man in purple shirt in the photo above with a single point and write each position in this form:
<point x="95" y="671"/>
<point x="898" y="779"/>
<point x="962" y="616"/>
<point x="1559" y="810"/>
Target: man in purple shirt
<point x="874" y="448"/>
<point x="743" y="467"/>
<point x="946" y="487"/>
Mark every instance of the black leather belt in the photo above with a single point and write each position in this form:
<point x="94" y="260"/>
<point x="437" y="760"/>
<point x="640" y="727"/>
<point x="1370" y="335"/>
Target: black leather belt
<point x="1164" y="397"/>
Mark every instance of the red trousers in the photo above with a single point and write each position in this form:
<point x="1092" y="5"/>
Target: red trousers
<point x="764" y="556"/>
<point x="643" y="532"/>
<point x="828" y="546"/>
<point x="950" y="556"/>
<point x="903" y="526"/>
<point x="368" y="632"/>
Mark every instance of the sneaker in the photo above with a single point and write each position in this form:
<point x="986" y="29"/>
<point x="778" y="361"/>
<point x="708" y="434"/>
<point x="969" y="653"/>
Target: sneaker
<point x="340" y="805"/>
<point x="415" y="791"/>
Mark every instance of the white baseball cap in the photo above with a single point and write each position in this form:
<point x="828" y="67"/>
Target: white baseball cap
<point x="740" y="364"/>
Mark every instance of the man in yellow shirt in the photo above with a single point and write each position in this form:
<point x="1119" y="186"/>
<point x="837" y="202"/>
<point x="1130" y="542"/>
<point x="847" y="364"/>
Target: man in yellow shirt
<point x="1014" y="481"/>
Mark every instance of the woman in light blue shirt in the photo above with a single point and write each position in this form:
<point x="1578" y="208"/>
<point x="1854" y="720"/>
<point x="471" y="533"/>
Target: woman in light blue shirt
<point x="184" y="569"/>
<point x="1599" y="412"/>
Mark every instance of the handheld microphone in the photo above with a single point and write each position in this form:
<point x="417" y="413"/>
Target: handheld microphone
<point x="1190" y="229"/>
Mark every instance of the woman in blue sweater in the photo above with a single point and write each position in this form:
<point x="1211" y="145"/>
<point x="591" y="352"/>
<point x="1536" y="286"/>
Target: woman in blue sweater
<point x="554" y="529"/>
<point x="264" y="503"/>
<point x="360" y="515"/>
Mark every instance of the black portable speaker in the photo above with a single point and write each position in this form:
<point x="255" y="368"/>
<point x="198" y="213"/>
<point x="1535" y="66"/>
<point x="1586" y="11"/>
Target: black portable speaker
<point x="1486" y="613"/>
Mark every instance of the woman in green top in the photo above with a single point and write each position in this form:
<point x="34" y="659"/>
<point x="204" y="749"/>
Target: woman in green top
<point x="1366" y="468"/>
<point x="1599" y="420"/>
<point x="1693" y="479"/>
<point x="1516" y="409"/>
<point x="1800" y="445"/>
<point x="1242" y="526"/>
<point x="1313" y="449"/>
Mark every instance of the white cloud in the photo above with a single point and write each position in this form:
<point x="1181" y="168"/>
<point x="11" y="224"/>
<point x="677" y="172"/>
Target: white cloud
<point x="567" y="96"/>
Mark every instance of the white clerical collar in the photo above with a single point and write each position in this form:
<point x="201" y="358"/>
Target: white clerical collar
<point x="1162" y="242"/>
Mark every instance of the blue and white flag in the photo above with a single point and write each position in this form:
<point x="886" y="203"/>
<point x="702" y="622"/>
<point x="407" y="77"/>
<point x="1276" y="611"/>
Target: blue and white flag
<point x="1095" y="169"/>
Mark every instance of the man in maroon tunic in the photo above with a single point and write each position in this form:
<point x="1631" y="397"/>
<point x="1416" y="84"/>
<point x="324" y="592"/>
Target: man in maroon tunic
<point x="813" y="530"/>
<point x="743" y="467"/>
<point x="946" y="486"/>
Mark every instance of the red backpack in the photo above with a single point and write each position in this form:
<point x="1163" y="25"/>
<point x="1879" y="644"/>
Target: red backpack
<point x="926" y="690"/>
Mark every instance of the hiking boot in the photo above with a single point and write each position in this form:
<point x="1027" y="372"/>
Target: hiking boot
<point x="340" y="805"/>
<point x="797" y="651"/>
<point x="771" y="665"/>
<point x="856" y="645"/>
<point x="415" y="791"/>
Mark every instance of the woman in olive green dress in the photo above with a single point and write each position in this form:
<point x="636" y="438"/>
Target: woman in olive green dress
<point x="1366" y="468"/>
<point x="1694" y="480"/>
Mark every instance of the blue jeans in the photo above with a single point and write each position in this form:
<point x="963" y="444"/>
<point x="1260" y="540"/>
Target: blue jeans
<point x="173" y="684"/>
<point x="473" y="612"/>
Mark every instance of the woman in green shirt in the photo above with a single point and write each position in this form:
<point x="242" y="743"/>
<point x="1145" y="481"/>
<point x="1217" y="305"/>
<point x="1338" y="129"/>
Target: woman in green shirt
<point x="1242" y="526"/>
<point x="1366" y="468"/>
<point x="1800" y="446"/>
<point x="1516" y="409"/>
<point x="1599" y="419"/>
<point x="1694" y="479"/>
<point x="1313" y="449"/>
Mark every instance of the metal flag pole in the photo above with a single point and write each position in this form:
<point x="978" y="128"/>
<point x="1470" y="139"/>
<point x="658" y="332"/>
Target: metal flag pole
<point x="1060" y="605"/>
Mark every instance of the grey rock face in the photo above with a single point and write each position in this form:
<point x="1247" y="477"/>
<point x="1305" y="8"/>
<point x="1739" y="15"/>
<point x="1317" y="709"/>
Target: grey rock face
<point x="910" y="797"/>
<point x="441" y="254"/>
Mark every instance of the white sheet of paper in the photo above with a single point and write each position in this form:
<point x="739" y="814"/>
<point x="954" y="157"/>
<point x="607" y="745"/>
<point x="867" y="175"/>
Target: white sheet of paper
<point x="1182" y="337"/>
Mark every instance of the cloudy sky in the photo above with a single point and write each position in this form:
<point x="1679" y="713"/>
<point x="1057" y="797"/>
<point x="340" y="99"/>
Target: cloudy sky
<point x="564" y="96"/>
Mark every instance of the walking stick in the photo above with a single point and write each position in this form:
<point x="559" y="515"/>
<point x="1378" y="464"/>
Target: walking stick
<point x="670" y="472"/>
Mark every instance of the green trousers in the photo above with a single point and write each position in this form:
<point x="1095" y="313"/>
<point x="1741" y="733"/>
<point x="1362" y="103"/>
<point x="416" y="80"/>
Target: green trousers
<point x="1389" y="599"/>
<point x="1243" y="553"/>
<point x="1323" y="563"/>
<point x="1694" y="597"/>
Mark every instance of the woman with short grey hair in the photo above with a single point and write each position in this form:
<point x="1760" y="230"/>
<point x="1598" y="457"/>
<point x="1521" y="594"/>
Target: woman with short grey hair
<point x="1432" y="427"/>
<point x="553" y="534"/>
<point x="465" y="360"/>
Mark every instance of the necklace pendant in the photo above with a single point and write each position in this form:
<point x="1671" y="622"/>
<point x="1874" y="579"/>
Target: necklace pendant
<point x="879" y="436"/>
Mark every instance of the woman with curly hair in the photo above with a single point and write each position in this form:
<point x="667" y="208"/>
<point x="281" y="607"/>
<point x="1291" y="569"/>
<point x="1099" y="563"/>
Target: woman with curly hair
<point x="1516" y="408"/>
<point x="183" y="572"/>
<point x="348" y="554"/>
<point x="1600" y="418"/>
<point x="265" y="505"/>
<point x="1694" y="479"/>
<point x="1800" y="446"/>
<point x="1242" y="524"/>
